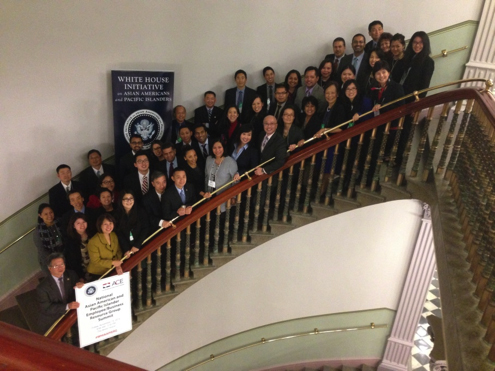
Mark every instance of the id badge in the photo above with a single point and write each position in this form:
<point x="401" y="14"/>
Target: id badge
<point x="211" y="183"/>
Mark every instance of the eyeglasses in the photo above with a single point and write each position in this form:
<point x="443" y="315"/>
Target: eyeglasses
<point x="142" y="161"/>
<point x="128" y="199"/>
<point x="57" y="266"/>
<point x="350" y="89"/>
<point x="108" y="182"/>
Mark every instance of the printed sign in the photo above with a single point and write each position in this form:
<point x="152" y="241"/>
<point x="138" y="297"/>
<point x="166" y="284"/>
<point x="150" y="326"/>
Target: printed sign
<point x="104" y="309"/>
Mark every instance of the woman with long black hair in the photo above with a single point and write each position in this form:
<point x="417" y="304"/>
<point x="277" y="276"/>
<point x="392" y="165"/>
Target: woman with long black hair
<point x="419" y="66"/>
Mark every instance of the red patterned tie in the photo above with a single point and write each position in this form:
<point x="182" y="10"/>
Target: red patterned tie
<point x="144" y="186"/>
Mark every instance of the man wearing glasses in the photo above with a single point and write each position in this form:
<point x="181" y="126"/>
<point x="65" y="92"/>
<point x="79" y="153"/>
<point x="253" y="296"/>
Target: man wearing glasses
<point x="55" y="294"/>
<point x="281" y="96"/>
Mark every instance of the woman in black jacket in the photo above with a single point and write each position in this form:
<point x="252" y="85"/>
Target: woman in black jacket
<point x="245" y="151"/>
<point x="132" y="224"/>
<point x="76" y="247"/>
<point x="419" y="66"/>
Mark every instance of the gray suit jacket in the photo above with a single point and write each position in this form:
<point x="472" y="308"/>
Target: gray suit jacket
<point x="317" y="92"/>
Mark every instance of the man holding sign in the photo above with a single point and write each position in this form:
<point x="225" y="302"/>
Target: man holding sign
<point x="55" y="294"/>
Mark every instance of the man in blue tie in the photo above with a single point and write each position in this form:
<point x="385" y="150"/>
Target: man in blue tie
<point x="241" y="96"/>
<point x="179" y="197"/>
<point x="358" y="59"/>
<point x="209" y="114"/>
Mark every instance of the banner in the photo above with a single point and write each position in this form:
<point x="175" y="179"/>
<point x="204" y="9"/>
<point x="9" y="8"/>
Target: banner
<point x="142" y="104"/>
<point x="104" y="309"/>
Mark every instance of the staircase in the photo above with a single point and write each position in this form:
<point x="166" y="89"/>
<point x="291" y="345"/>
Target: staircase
<point x="433" y="147"/>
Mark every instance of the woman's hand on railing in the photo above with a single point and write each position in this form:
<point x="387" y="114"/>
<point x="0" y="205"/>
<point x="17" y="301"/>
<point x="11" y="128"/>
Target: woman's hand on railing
<point x="131" y="251"/>
<point x="117" y="264"/>
<point x="259" y="171"/>
<point x="376" y="107"/>
<point x="188" y="210"/>
<point x="300" y="143"/>
<point x="206" y="195"/>
<point x="354" y="118"/>
<point x="166" y="224"/>
<point x="237" y="177"/>
<point x="319" y="133"/>
<point x="292" y="147"/>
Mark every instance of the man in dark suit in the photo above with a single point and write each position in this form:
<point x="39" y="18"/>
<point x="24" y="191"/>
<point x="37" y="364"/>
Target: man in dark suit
<point x="153" y="201"/>
<point x="281" y="96"/>
<point x="76" y="200"/>
<point x="57" y="195"/>
<point x="55" y="294"/>
<point x="311" y="87"/>
<point x="90" y="177"/>
<point x="187" y="140"/>
<point x="179" y="197"/>
<point x="272" y="145"/>
<point x="358" y="59"/>
<point x="375" y="29"/>
<point x="336" y="57"/>
<point x="139" y="181"/>
<point x="126" y="162"/>
<point x="205" y="144"/>
<point x="172" y="133"/>
<point x="267" y="90"/>
<point x="241" y="96"/>
<point x="209" y="115"/>
<point x="171" y="160"/>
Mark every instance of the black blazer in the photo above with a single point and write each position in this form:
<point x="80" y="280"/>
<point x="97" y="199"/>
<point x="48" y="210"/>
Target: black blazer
<point x="248" y="159"/>
<point x="391" y="93"/>
<point x="196" y="177"/>
<point x="261" y="91"/>
<point x="139" y="230"/>
<point x="51" y="304"/>
<point x="418" y="77"/>
<point x="126" y="166"/>
<point x="337" y="115"/>
<point x="257" y="124"/>
<point x="209" y="147"/>
<point x="275" y="147"/>
<point x="58" y="200"/>
<point x="154" y="208"/>
<point x="73" y="257"/>
<point x="368" y="48"/>
<point x="295" y="134"/>
<point x="173" y="201"/>
<point x="132" y="182"/>
<point x="91" y="182"/>
<point x="247" y="102"/>
<point x="91" y="216"/>
<point x="312" y="127"/>
<point x="363" y="72"/>
<point x="194" y="144"/>
<point x="201" y="117"/>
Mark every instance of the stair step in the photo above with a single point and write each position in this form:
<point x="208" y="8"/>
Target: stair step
<point x="321" y="211"/>
<point x="328" y="368"/>
<point x="366" y="197"/>
<point x="202" y="271"/>
<point x="350" y="368"/>
<point x="183" y="283"/>
<point x="258" y="238"/>
<point x="392" y="192"/>
<point x="300" y="219"/>
<point x="164" y="297"/>
<point x="367" y="368"/>
<point x="13" y="316"/>
<point x="28" y="304"/>
<point x="145" y="313"/>
<point x="343" y="204"/>
<point x="221" y="259"/>
<point x="241" y="248"/>
<point x="278" y="228"/>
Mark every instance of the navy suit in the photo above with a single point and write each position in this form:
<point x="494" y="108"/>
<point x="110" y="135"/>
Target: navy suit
<point x="173" y="201"/>
<point x="275" y="147"/>
<point x="51" y="303"/>
<point x="91" y="182"/>
<point x="154" y="208"/>
<point x="247" y="102"/>
<point x="58" y="200"/>
<point x="212" y="123"/>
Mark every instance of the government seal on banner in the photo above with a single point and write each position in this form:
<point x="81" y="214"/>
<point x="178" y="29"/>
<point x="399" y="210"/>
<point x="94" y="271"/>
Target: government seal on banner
<point x="146" y="123"/>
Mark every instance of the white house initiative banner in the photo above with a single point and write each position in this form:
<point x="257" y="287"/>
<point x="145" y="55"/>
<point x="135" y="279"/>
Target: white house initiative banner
<point x="142" y="104"/>
<point x="104" y="309"/>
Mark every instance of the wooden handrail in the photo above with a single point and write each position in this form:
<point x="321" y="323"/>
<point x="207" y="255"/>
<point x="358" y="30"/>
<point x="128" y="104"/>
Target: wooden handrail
<point x="485" y="100"/>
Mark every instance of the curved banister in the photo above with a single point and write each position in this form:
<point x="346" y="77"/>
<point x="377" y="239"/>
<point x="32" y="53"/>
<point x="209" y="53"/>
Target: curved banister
<point x="484" y="98"/>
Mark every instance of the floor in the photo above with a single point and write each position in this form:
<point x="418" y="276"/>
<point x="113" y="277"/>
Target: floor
<point x="422" y="343"/>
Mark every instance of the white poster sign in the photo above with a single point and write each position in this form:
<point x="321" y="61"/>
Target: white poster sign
<point x="104" y="309"/>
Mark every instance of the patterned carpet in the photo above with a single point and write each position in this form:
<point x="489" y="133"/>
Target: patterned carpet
<point x="422" y="343"/>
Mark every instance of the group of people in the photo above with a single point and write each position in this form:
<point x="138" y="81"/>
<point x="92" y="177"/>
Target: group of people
<point x="90" y="224"/>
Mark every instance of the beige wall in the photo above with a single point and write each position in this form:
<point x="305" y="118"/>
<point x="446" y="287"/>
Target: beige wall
<point x="57" y="56"/>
